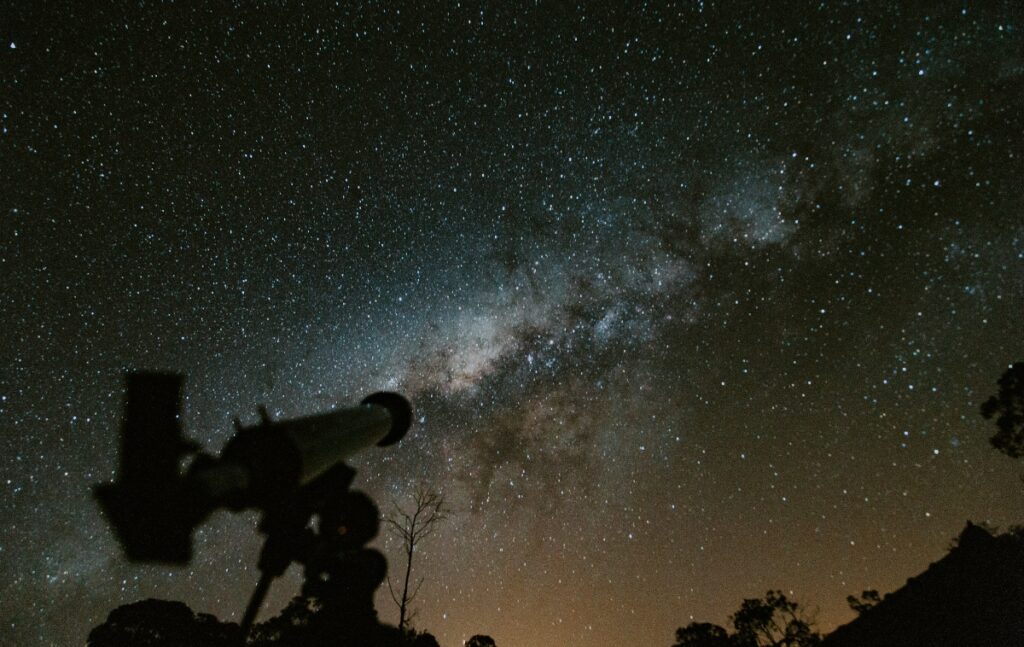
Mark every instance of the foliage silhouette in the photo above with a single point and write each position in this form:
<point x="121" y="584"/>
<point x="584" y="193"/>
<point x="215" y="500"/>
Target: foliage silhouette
<point x="424" y="639"/>
<point x="867" y="599"/>
<point x="306" y="621"/>
<point x="312" y="622"/>
<point x="293" y="619"/>
<point x="161" y="623"/>
<point x="772" y="621"/>
<point x="481" y="640"/>
<point x="1007" y="407"/>
<point x="702" y="634"/>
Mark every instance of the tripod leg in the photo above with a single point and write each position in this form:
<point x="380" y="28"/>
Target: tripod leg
<point x="255" y="602"/>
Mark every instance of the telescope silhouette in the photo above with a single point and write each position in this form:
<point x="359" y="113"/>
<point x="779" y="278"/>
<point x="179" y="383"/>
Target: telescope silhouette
<point x="289" y="470"/>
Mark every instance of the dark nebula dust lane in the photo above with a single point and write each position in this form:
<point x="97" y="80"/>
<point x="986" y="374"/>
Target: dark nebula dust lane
<point x="693" y="300"/>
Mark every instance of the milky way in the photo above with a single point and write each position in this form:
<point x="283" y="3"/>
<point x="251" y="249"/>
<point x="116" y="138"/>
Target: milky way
<point x="693" y="301"/>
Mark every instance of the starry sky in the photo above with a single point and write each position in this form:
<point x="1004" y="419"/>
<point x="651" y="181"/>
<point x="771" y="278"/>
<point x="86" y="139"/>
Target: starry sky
<point x="693" y="300"/>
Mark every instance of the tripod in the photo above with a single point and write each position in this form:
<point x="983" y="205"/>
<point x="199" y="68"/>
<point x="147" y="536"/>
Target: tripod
<point x="338" y="568"/>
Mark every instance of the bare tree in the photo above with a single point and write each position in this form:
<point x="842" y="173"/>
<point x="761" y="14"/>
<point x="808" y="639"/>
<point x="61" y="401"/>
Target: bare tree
<point x="427" y="510"/>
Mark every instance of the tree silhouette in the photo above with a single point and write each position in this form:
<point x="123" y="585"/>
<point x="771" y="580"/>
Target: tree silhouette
<point x="480" y="640"/>
<point x="310" y="622"/>
<point x="867" y="599"/>
<point x="775" y="621"/>
<point x="161" y="623"/>
<point x="427" y="511"/>
<point x="772" y="621"/>
<point x="702" y="634"/>
<point x="1007" y="407"/>
<point x="283" y="628"/>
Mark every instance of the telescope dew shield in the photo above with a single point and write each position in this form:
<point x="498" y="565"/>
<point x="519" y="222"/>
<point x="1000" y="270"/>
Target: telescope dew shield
<point x="326" y="439"/>
<point x="322" y="441"/>
<point x="399" y="409"/>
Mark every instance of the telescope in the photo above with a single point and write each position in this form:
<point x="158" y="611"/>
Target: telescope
<point x="289" y="470"/>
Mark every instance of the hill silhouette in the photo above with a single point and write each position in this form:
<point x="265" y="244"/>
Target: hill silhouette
<point x="972" y="597"/>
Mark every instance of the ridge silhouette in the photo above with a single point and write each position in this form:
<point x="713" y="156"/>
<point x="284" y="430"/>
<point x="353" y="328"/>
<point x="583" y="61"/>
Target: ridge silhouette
<point x="972" y="597"/>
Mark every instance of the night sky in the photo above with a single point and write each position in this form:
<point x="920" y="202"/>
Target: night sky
<point x="692" y="300"/>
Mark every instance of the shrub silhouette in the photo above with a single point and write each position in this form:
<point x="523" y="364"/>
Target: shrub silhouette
<point x="161" y="623"/>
